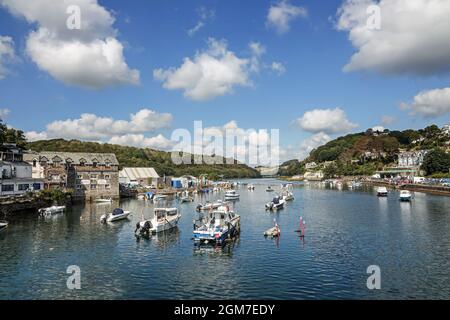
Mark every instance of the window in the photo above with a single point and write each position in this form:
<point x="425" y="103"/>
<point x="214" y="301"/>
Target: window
<point x="8" y="187"/>
<point x="107" y="186"/>
<point x="36" y="186"/>
<point x="93" y="176"/>
<point x="24" y="187"/>
<point x="78" y="186"/>
<point x="34" y="162"/>
<point x="80" y="176"/>
<point x="107" y="176"/>
<point x="93" y="186"/>
<point x="82" y="162"/>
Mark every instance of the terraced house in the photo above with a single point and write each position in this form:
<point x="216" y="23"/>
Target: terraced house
<point x="89" y="175"/>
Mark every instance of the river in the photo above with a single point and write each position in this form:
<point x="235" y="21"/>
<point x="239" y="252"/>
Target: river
<point x="346" y="232"/>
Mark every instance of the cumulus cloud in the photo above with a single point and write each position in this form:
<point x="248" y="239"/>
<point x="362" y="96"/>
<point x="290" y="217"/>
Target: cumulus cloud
<point x="430" y="103"/>
<point x="329" y="121"/>
<point x="413" y="37"/>
<point x="204" y="16"/>
<point x="93" y="127"/>
<point x="139" y="140"/>
<point x="311" y="143"/>
<point x="4" y="113"/>
<point x="278" y="67"/>
<point x="90" y="57"/>
<point x="282" y="14"/>
<point x="210" y="73"/>
<point x="6" y="54"/>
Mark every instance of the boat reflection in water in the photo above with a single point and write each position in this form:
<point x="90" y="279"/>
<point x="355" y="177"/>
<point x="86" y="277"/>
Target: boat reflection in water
<point x="166" y="239"/>
<point x="224" y="249"/>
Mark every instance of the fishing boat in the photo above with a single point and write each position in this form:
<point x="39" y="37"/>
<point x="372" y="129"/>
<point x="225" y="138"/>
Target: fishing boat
<point x="164" y="219"/>
<point x="405" y="195"/>
<point x="274" y="231"/>
<point x="209" y="205"/>
<point x="382" y="192"/>
<point x="231" y="195"/>
<point x="117" y="214"/>
<point x="277" y="203"/>
<point x="251" y="187"/>
<point x="105" y="200"/>
<point x="217" y="226"/>
<point x="269" y="189"/>
<point x="52" y="210"/>
<point x="3" y="224"/>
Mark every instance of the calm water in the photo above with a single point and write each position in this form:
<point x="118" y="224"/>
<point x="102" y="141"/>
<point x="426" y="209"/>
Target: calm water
<point x="346" y="231"/>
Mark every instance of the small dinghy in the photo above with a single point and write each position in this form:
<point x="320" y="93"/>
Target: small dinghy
<point x="277" y="203"/>
<point x="382" y="192"/>
<point x="117" y="214"/>
<point x="159" y="197"/>
<point x="209" y="206"/>
<point x="273" y="232"/>
<point x="185" y="197"/>
<point x="231" y="195"/>
<point x="269" y="189"/>
<point x="251" y="187"/>
<point x="405" y="195"/>
<point x="3" y="224"/>
<point x="52" y="210"/>
<point x="105" y="200"/>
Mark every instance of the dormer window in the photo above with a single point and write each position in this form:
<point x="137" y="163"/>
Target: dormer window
<point x="82" y="162"/>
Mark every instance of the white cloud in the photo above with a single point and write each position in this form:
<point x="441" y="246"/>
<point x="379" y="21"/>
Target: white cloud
<point x="139" y="140"/>
<point x="89" y="57"/>
<point x="430" y="103"/>
<point x="4" y="113"/>
<point x="281" y="14"/>
<point x="211" y="73"/>
<point x="413" y="39"/>
<point x="6" y="54"/>
<point x="93" y="127"/>
<point x="311" y="143"/>
<point x="36" y="136"/>
<point x="326" y="120"/>
<point x="278" y="67"/>
<point x="204" y="16"/>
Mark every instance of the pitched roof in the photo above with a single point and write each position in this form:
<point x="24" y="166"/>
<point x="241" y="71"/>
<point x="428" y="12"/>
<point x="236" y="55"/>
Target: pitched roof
<point x="138" y="173"/>
<point x="73" y="157"/>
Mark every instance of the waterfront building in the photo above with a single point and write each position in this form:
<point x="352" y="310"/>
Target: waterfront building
<point x="16" y="174"/>
<point x="446" y="129"/>
<point x="310" y="165"/>
<point x="411" y="158"/>
<point x="316" y="175"/>
<point x="88" y="175"/>
<point x="139" y="176"/>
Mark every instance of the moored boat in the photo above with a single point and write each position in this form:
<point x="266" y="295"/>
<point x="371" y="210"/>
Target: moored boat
<point x="217" y="226"/>
<point x="231" y="195"/>
<point x="115" y="215"/>
<point x="274" y="231"/>
<point x="104" y="200"/>
<point x="277" y="203"/>
<point x="382" y="191"/>
<point x="269" y="189"/>
<point x="405" y="195"/>
<point x="185" y="197"/>
<point x="52" y="210"/>
<point x="164" y="219"/>
<point x="251" y="187"/>
<point x="3" y="224"/>
<point x="209" y="205"/>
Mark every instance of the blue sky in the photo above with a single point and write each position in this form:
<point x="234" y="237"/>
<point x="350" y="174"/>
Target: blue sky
<point x="154" y="35"/>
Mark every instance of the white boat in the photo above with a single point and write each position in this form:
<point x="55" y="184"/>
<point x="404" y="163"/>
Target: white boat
<point x="269" y="189"/>
<point x="231" y="195"/>
<point x="163" y="219"/>
<point x="277" y="203"/>
<point x="405" y="195"/>
<point x="217" y="226"/>
<point x="105" y="200"/>
<point x="273" y="232"/>
<point x="215" y="189"/>
<point x="158" y="197"/>
<point x="209" y="205"/>
<point x="3" y="224"/>
<point x="382" y="191"/>
<point x="185" y="197"/>
<point x="286" y="192"/>
<point x="251" y="187"/>
<point x="52" y="210"/>
<point x="117" y="214"/>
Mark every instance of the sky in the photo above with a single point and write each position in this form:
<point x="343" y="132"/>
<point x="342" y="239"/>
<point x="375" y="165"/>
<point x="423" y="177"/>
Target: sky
<point x="131" y="72"/>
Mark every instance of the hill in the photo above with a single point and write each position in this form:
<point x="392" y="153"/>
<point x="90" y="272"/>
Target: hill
<point x="366" y="152"/>
<point x="140" y="157"/>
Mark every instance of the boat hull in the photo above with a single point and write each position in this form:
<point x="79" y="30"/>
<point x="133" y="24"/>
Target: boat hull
<point x="217" y="236"/>
<point x="118" y="217"/>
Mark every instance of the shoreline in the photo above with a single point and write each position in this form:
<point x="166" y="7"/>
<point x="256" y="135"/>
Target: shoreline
<point x="436" y="190"/>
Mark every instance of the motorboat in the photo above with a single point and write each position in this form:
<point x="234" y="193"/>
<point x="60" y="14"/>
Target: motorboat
<point x="117" y="214"/>
<point x="286" y="192"/>
<point x="269" y="189"/>
<point x="273" y="232"/>
<point x="209" y="205"/>
<point x="159" y="197"/>
<point x="164" y="219"/>
<point x="405" y="195"/>
<point x="251" y="187"/>
<point x="3" y="224"/>
<point x="217" y="226"/>
<point x="185" y="197"/>
<point x="52" y="210"/>
<point x="382" y="191"/>
<point x="104" y="200"/>
<point x="277" y="203"/>
<point x="231" y="195"/>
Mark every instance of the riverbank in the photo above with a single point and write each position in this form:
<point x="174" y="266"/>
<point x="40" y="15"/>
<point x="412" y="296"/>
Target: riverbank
<point x="436" y="190"/>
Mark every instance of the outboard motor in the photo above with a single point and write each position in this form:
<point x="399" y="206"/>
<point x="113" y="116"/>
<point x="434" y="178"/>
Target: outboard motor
<point x="103" y="218"/>
<point x="199" y="207"/>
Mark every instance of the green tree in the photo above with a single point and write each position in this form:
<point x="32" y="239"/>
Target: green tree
<point x="436" y="161"/>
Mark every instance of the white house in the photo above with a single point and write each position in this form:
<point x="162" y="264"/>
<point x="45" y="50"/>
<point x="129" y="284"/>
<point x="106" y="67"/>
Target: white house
<point x="139" y="176"/>
<point x="411" y="158"/>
